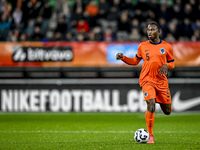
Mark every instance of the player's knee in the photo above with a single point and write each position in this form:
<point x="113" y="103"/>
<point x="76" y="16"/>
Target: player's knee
<point x="151" y="105"/>
<point x="152" y="109"/>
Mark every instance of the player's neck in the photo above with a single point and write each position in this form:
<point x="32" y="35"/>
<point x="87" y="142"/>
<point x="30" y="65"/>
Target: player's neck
<point x="156" y="40"/>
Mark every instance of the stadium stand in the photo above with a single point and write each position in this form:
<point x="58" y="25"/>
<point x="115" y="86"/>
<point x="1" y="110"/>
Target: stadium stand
<point x="97" y="20"/>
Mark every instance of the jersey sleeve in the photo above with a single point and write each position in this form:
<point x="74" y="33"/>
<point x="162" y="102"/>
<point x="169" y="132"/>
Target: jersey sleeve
<point x="170" y="57"/>
<point x="135" y="60"/>
<point x="131" y="61"/>
<point x="139" y="52"/>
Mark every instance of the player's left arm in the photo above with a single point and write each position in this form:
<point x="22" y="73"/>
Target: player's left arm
<point x="170" y="63"/>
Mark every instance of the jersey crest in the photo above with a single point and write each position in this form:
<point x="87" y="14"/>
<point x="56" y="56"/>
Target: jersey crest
<point x="145" y="94"/>
<point x="162" y="50"/>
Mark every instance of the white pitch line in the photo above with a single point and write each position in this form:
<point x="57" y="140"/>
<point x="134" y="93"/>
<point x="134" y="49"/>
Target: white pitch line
<point x="77" y="132"/>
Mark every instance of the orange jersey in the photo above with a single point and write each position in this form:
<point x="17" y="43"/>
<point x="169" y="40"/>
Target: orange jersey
<point x="154" y="56"/>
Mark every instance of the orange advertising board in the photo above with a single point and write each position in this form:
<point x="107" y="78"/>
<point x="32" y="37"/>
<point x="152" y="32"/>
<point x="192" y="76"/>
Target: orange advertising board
<point x="84" y="54"/>
<point x="186" y="53"/>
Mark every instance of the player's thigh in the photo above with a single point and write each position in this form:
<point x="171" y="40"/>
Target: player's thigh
<point x="166" y="107"/>
<point x="163" y="95"/>
<point x="149" y="92"/>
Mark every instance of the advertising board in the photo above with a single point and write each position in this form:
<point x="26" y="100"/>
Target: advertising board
<point x="90" y="95"/>
<point x="84" y="54"/>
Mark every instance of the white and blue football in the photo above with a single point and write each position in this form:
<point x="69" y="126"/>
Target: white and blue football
<point x="141" y="136"/>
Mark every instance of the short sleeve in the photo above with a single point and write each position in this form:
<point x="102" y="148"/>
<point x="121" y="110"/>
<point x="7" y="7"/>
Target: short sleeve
<point x="170" y="57"/>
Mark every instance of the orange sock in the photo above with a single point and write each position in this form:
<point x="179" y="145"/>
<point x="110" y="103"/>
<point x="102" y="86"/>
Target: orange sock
<point x="150" y="117"/>
<point x="171" y="108"/>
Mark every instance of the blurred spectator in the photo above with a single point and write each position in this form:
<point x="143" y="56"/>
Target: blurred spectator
<point x="164" y="13"/>
<point x="127" y="5"/>
<point x="138" y="15"/>
<point x="194" y="4"/>
<point x="117" y="4"/>
<point x="34" y="7"/>
<point x="30" y="28"/>
<point x="108" y="35"/>
<point x="80" y="37"/>
<point x="62" y="7"/>
<point x="78" y="3"/>
<point x="39" y="21"/>
<point x="92" y="36"/>
<point x="196" y="25"/>
<point x="82" y="26"/>
<point x="197" y="13"/>
<point x="17" y="17"/>
<point x="4" y="26"/>
<point x="163" y="26"/>
<point x="196" y="36"/>
<point x="170" y="38"/>
<point x="61" y="26"/>
<point x="103" y="8"/>
<point x="5" y="7"/>
<point x="187" y="28"/>
<point x="23" y="37"/>
<point x="178" y="2"/>
<point x="143" y="31"/>
<point x="69" y="37"/>
<point x="144" y="38"/>
<point x="37" y="35"/>
<point x="142" y="5"/>
<point x="122" y="36"/>
<point x="58" y="37"/>
<point x="151" y="15"/>
<point x="154" y="6"/>
<point x="176" y="12"/>
<point x="120" y="20"/>
<point x="76" y="16"/>
<point x="98" y="33"/>
<point x="112" y="14"/>
<point x="188" y="12"/>
<point x="46" y="15"/>
<point x="172" y="28"/>
<point x="135" y="35"/>
<point x="182" y="39"/>
<point x="47" y="11"/>
<point x="11" y="37"/>
<point x="123" y="23"/>
<point x="135" y="23"/>
<point x="92" y="8"/>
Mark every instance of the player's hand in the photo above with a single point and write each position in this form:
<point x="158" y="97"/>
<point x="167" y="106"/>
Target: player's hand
<point x="163" y="70"/>
<point x="119" y="56"/>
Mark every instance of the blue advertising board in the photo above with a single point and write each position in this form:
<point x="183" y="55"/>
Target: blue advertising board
<point x="129" y="50"/>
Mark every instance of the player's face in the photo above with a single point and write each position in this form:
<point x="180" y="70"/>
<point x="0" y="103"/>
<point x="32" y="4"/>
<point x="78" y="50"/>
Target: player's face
<point x="152" y="32"/>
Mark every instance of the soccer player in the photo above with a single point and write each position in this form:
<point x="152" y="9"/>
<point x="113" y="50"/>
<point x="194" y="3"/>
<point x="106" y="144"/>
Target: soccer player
<point x="158" y="58"/>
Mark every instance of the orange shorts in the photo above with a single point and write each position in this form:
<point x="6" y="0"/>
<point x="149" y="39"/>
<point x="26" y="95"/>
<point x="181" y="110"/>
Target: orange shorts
<point x="161" y="94"/>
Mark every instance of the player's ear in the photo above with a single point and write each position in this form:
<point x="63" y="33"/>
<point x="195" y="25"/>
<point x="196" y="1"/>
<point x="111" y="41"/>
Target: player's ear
<point x="159" y="31"/>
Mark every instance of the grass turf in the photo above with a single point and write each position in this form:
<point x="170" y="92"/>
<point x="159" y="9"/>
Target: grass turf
<point x="109" y="131"/>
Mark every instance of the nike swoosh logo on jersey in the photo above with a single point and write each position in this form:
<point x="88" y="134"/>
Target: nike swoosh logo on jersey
<point x="181" y="105"/>
<point x="146" y="50"/>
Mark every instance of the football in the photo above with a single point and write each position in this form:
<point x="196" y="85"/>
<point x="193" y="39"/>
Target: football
<point x="141" y="136"/>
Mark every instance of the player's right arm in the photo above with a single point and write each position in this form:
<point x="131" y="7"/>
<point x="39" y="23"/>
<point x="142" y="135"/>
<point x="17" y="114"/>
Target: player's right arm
<point x="130" y="61"/>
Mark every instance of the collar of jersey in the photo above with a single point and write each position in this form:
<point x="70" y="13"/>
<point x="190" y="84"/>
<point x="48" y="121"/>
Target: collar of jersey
<point x="155" y="43"/>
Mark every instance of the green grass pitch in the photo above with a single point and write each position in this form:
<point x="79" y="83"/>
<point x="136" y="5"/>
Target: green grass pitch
<point x="93" y="131"/>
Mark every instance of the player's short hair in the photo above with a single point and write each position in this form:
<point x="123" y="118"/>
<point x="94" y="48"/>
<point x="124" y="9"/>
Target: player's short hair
<point x="155" y="23"/>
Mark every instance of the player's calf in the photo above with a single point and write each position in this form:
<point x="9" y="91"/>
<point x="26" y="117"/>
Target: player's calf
<point x="167" y="111"/>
